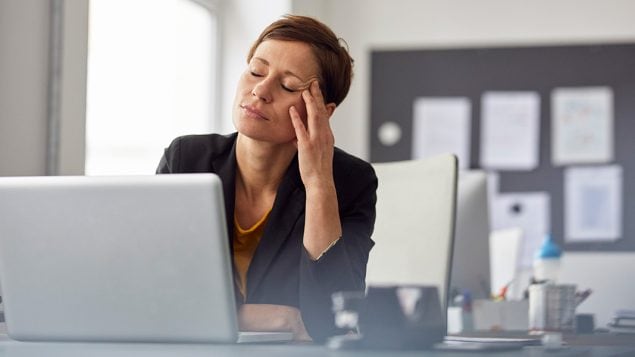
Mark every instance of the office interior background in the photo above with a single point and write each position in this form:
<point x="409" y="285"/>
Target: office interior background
<point x="44" y="101"/>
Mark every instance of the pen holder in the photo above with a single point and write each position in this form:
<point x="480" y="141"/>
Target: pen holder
<point x="552" y="307"/>
<point x="392" y="317"/>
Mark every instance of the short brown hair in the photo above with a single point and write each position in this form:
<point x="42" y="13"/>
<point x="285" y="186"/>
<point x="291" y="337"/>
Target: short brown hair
<point x="336" y="65"/>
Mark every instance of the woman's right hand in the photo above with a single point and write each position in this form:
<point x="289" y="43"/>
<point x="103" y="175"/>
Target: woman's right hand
<point x="272" y="318"/>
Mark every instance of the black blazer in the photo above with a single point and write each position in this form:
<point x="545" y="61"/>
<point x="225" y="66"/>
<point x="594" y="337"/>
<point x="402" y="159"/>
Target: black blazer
<point x="281" y="271"/>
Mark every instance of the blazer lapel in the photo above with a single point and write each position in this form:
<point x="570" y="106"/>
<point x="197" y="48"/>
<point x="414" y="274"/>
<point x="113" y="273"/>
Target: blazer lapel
<point x="287" y="209"/>
<point x="225" y="168"/>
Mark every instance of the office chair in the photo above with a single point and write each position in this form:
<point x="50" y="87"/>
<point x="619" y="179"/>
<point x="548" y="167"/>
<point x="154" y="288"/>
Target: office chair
<point x="414" y="230"/>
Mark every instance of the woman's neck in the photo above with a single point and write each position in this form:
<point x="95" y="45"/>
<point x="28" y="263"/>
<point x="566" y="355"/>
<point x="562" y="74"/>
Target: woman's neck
<point x="261" y="165"/>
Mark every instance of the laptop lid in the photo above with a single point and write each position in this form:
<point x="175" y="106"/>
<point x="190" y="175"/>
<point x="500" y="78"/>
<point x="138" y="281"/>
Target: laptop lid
<point x="135" y="258"/>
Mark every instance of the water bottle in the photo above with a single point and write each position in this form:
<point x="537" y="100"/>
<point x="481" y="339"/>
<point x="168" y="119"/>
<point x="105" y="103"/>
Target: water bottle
<point x="547" y="262"/>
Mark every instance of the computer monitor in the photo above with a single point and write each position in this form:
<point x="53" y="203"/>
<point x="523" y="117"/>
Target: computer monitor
<point x="471" y="263"/>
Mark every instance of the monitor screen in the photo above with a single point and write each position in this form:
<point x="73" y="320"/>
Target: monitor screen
<point x="470" y="263"/>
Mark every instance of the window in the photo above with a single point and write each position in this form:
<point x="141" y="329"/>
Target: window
<point x="151" y="77"/>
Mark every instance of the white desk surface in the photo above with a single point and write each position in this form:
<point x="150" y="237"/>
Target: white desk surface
<point x="10" y="347"/>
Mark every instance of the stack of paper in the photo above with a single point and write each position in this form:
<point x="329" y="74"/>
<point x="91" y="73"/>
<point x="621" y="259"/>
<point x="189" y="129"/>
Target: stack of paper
<point x="623" y="322"/>
<point x="464" y="343"/>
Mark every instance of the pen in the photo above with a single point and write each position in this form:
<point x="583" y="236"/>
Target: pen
<point x="502" y="294"/>
<point x="580" y="296"/>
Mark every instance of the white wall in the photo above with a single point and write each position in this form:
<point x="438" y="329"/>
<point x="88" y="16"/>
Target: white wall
<point x="24" y="27"/>
<point x="380" y="24"/>
<point x="24" y="81"/>
<point x="241" y="23"/>
<point x="610" y="277"/>
<point x="72" y="145"/>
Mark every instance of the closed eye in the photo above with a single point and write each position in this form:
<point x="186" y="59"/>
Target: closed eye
<point x="255" y="74"/>
<point x="290" y="90"/>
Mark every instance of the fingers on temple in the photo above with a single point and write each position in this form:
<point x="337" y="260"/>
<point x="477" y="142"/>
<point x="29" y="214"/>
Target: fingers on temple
<point x="298" y="125"/>
<point x="317" y="92"/>
<point x="314" y="105"/>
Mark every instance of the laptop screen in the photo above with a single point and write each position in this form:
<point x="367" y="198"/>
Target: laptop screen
<point x="132" y="258"/>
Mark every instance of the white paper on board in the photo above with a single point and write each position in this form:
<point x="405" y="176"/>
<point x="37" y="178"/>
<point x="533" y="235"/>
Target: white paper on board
<point x="493" y="187"/>
<point x="528" y="211"/>
<point x="582" y="125"/>
<point x="510" y="130"/>
<point x="593" y="203"/>
<point x="504" y="249"/>
<point x="442" y="125"/>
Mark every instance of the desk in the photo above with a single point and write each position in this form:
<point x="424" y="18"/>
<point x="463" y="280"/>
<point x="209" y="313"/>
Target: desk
<point x="595" y="339"/>
<point x="12" y="348"/>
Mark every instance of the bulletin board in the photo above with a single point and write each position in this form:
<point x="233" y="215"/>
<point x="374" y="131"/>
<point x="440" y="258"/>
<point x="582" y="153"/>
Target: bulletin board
<point x="398" y="77"/>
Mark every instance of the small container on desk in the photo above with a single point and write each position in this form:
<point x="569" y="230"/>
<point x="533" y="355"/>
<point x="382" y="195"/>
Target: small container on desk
<point x="552" y="307"/>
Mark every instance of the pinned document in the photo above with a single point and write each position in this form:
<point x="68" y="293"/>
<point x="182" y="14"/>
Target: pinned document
<point x="593" y="203"/>
<point x="504" y="249"/>
<point x="442" y="125"/>
<point x="527" y="211"/>
<point x="582" y="120"/>
<point x="510" y="127"/>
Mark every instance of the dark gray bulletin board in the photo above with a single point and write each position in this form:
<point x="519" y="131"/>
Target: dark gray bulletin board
<point x="398" y="77"/>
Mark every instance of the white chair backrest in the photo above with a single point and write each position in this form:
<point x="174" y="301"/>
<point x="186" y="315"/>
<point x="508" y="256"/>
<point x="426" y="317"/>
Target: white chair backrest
<point x="414" y="229"/>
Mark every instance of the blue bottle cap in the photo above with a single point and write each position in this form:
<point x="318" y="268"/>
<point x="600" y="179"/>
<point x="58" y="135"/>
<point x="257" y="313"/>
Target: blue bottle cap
<point x="549" y="249"/>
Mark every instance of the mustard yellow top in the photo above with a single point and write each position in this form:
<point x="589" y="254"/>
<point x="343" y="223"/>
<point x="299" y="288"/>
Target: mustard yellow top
<point x="245" y="242"/>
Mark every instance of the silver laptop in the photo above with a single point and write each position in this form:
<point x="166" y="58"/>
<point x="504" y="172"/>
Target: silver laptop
<point x="131" y="258"/>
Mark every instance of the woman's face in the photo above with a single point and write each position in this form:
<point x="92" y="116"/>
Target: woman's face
<point x="273" y="82"/>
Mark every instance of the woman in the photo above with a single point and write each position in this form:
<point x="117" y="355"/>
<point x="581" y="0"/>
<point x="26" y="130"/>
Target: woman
<point x="300" y="211"/>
